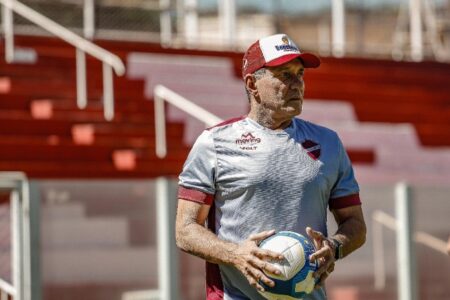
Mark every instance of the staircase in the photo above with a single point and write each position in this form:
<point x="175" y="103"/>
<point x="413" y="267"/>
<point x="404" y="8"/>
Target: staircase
<point x="44" y="134"/>
<point x="393" y="118"/>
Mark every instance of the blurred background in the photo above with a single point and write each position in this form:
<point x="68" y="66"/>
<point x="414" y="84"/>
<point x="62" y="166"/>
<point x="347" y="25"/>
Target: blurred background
<point x="101" y="100"/>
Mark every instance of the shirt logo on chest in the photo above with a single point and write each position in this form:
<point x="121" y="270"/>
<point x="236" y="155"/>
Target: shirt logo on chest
<point x="312" y="148"/>
<point x="248" y="141"/>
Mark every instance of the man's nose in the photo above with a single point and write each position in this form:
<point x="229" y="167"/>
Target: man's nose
<point x="297" y="83"/>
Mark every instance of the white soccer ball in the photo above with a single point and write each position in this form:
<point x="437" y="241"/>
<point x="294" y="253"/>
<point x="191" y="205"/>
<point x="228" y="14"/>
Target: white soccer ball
<point x="296" y="279"/>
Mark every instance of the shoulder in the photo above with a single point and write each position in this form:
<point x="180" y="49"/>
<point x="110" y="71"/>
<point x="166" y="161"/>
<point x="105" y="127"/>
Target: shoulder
<point x="225" y="124"/>
<point x="315" y="130"/>
<point x="210" y="135"/>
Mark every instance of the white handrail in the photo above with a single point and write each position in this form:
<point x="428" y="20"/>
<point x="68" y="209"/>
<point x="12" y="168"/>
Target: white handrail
<point x="162" y="94"/>
<point x="83" y="46"/>
<point x="8" y="288"/>
<point x="379" y="219"/>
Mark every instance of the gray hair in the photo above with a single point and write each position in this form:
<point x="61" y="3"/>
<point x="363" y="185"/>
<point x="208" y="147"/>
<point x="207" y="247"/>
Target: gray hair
<point x="258" y="74"/>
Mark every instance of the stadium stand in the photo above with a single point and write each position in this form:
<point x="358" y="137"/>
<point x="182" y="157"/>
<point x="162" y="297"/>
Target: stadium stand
<point x="387" y="113"/>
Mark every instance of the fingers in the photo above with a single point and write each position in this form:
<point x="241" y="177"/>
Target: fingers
<point x="254" y="276"/>
<point x="316" y="236"/>
<point x="265" y="266"/>
<point x="324" y="276"/>
<point x="325" y="251"/>
<point x="265" y="254"/>
<point x="257" y="237"/>
<point x="313" y="234"/>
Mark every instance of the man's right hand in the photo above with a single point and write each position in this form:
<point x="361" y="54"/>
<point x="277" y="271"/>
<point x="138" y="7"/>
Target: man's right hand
<point x="251" y="260"/>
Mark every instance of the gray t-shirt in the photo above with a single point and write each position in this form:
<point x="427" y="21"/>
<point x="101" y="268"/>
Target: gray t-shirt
<point x="260" y="179"/>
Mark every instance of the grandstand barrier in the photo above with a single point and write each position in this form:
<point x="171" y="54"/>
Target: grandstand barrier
<point x="402" y="225"/>
<point x="162" y="94"/>
<point x="83" y="46"/>
<point x="23" y="280"/>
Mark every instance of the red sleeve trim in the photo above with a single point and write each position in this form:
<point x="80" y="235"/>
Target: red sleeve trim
<point x="195" y="195"/>
<point x="343" y="202"/>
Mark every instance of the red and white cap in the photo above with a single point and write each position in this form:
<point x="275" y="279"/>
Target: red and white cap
<point x="273" y="51"/>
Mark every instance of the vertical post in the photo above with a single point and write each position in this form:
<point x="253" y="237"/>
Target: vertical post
<point x="89" y="19"/>
<point x="338" y="27"/>
<point x="165" y="22"/>
<point x="378" y="250"/>
<point x="405" y="248"/>
<point x="108" y="92"/>
<point x="191" y="22"/>
<point x="415" y="23"/>
<point x="31" y="194"/>
<point x="160" y="124"/>
<point x="168" y="275"/>
<point x="26" y="240"/>
<point x="16" y="249"/>
<point x="227" y="16"/>
<point x="81" y="79"/>
<point x="8" y="31"/>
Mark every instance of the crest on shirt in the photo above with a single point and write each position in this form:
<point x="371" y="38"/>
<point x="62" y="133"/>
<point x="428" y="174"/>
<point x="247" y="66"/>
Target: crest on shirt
<point x="312" y="148"/>
<point x="247" y="141"/>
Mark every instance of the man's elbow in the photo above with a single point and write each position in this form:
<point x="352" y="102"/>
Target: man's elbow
<point x="179" y="238"/>
<point x="362" y="234"/>
<point x="182" y="238"/>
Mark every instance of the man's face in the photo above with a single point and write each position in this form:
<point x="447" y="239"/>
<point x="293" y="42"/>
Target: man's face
<point x="281" y="89"/>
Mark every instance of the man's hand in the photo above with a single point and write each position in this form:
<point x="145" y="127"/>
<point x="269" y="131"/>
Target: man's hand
<point x="324" y="254"/>
<point x="251" y="261"/>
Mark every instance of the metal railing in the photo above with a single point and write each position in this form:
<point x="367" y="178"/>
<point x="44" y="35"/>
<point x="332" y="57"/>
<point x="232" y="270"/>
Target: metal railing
<point x="83" y="46"/>
<point x="162" y="94"/>
<point x="20" y="287"/>
<point x="405" y="256"/>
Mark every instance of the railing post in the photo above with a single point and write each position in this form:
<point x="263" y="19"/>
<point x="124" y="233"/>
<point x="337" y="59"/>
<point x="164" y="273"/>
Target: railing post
<point x="378" y="252"/>
<point x="191" y="22"/>
<point x="89" y="19"/>
<point x="8" y="31"/>
<point x="227" y="16"/>
<point x="165" y="22"/>
<point x="167" y="260"/>
<point x="160" y="125"/>
<point x="81" y="79"/>
<point x="17" y="245"/>
<point x="108" y="92"/>
<point x="338" y="27"/>
<point x="415" y="23"/>
<point x="406" y="259"/>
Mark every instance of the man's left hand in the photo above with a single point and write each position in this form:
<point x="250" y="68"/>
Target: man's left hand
<point x="324" y="255"/>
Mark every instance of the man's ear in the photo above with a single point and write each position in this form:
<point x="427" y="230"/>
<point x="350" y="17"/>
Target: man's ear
<point x="250" y="84"/>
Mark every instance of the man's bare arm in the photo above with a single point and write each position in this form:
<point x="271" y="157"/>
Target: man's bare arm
<point x="351" y="230"/>
<point x="193" y="237"/>
<point x="351" y="233"/>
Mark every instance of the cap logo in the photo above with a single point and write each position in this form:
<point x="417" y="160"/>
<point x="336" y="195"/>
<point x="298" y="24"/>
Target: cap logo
<point x="286" y="46"/>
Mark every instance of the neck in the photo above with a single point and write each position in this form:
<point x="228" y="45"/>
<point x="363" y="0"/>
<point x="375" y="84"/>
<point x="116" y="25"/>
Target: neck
<point x="268" y="120"/>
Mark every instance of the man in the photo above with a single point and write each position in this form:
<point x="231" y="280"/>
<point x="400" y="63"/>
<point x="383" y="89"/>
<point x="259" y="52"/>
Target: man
<point x="266" y="172"/>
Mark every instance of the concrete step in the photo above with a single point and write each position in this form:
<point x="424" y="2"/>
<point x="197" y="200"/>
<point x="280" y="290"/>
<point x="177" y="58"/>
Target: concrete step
<point x="98" y="266"/>
<point x="83" y="233"/>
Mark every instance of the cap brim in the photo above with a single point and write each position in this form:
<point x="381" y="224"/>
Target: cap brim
<point x="309" y="60"/>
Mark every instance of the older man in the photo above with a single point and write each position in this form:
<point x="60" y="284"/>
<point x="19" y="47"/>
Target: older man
<point x="265" y="172"/>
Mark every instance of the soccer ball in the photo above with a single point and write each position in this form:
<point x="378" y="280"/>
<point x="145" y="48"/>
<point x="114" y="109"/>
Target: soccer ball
<point x="296" y="279"/>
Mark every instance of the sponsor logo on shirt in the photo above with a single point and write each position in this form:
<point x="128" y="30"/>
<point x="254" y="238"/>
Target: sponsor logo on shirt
<point x="312" y="148"/>
<point x="248" y="141"/>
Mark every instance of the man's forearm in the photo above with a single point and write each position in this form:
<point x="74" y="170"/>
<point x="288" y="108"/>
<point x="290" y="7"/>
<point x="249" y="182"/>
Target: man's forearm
<point x="199" y="241"/>
<point x="352" y="234"/>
